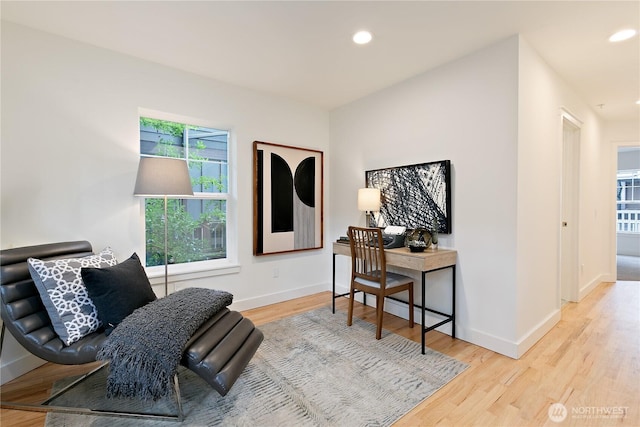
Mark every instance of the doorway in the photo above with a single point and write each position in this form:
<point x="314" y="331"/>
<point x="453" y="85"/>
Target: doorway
<point x="628" y="213"/>
<point x="569" y="256"/>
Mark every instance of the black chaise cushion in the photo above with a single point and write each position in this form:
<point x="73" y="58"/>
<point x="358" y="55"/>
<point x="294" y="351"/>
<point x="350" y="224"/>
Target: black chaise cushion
<point x="117" y="291"/>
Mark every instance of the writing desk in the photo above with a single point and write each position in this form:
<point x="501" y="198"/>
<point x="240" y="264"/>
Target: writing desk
<point x="426" y="262"/>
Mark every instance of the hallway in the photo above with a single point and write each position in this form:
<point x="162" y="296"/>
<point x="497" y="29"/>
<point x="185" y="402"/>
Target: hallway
<point x="628" y="267"/>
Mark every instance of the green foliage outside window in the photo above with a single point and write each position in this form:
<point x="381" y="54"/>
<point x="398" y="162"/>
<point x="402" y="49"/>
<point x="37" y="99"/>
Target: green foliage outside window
<point x="195" y="226"/>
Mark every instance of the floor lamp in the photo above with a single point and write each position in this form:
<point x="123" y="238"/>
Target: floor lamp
<point x="163" y="177"/>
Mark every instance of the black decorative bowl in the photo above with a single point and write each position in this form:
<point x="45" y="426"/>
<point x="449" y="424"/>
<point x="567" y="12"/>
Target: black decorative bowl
<point x="417" y="248"/>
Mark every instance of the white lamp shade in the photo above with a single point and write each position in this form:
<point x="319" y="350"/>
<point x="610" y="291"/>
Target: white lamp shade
<point x="163" y="176"/>
<point x="369" y="199"/>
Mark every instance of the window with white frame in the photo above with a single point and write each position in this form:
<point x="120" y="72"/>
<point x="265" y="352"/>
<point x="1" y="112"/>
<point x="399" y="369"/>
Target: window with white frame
<point x="628" y="201"/>
<point x="197" y="226"/>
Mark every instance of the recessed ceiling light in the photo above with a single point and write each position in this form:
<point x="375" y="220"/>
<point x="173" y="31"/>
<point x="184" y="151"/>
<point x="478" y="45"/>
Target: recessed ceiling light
<point x="623" y="35"/>
<point x="638" y="102"/>
<point x="362" y="37"/>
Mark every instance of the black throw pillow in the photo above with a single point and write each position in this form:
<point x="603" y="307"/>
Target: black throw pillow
<point x="117" y="291"/>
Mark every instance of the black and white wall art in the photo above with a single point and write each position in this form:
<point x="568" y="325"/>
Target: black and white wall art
<point x="414" y="196"/>
<point x="287" y="201"/>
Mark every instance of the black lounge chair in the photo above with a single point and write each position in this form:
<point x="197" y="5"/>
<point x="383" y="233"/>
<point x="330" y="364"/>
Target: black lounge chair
<point x="218" y="351"/>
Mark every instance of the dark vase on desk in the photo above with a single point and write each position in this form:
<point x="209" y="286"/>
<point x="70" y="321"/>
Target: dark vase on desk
<point x="434" y="236"/>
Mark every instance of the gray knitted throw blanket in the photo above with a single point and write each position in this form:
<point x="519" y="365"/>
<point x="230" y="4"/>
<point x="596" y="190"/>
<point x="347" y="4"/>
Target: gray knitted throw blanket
<point x="146" y="348"/>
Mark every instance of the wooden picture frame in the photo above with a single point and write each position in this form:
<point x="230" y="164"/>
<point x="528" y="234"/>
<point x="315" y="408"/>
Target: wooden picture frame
<point x="288" y="199"/>
<point x="414" y="196"/>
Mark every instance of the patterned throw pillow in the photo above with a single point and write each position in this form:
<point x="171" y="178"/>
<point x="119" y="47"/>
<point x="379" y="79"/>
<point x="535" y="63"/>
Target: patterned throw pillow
<point x="65" y="296"/>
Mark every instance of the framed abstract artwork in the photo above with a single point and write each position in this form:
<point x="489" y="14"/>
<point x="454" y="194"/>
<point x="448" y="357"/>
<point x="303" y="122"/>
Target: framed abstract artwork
<point x="414" y="196"/>
<point x="287" y="198"/>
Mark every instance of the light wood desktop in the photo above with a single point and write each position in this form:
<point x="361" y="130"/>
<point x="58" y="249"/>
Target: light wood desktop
<point x="428" y="261"/>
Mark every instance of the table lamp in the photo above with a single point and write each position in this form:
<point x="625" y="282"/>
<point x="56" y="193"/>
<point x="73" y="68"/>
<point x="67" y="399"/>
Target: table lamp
<point x="368" y="202"/>
<point x="163" y="177"/>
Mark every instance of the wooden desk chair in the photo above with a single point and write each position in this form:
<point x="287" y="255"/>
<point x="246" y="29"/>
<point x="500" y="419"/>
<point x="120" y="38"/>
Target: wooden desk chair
<point x="369" y="273"/>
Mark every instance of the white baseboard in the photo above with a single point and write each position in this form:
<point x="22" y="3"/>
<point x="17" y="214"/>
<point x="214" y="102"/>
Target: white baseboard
<point x="15" y="368"/>
<point x="268" y="299"/>
<point x="514" y="350"/>
<point x="584" y="291"/>
<point x="534" y="335"/>
<point x="481" y="339"/>
<point x="508" y="348"/>
<point x="488" y="341"/>
<point x="18" y="367"/>
<point x="500" y="345"/>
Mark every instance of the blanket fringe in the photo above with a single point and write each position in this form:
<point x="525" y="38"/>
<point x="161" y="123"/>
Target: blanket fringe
<point x="146" y="348"/>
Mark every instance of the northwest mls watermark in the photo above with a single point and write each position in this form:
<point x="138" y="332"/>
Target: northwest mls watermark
<point x="558" y="412"/>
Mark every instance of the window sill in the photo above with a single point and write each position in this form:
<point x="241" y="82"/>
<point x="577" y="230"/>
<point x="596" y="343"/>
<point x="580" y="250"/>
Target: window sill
<point x="182" y="273"/>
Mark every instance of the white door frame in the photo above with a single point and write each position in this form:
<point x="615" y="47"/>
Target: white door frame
<point x="569" y="248"/>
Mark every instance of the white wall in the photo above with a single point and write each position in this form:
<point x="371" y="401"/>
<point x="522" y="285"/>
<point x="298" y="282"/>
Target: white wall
<point x="496" y="115"/>
<point x="539" y="177"/>
<point x="70" y="120"/>
<point x="624" y="132"/>
<point x="629" y="159"/>
<point x="466" y="112"/>
<point x="70" y="149"/>
<point x="628" y="244"/>
<point x="543" y="96"/>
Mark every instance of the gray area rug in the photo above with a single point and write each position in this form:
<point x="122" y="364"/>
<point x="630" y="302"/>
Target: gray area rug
<point x="311" y="370"/>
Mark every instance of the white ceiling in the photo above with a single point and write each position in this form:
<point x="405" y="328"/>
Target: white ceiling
<point x="302" y="49"/>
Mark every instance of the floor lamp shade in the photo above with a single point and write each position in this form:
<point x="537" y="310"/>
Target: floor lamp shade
<point x="163" y="176"/>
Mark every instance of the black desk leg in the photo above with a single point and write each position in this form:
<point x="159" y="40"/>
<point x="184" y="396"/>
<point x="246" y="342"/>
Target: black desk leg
<point x="422" y="331"/>
<point x="453" y="303"/>
<point x="333" y="294"/>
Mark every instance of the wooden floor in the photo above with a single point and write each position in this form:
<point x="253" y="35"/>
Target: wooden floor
<point x="590" y="362"/>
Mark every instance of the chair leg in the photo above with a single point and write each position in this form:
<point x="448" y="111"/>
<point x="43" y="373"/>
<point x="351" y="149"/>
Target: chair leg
<point x="350" y="310"/>
<point x="411" y="310"/>
<point x="379" y="314"/>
